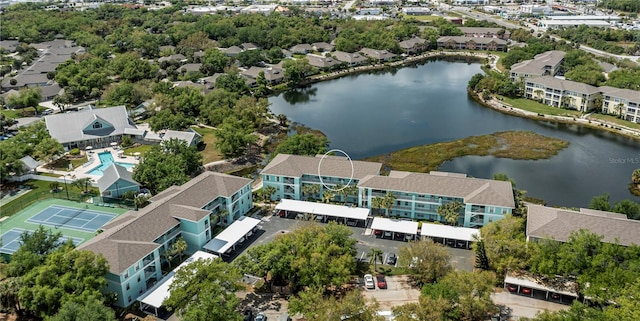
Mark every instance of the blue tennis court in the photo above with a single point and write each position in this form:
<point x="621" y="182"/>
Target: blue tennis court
<point x="79" y="219"/>
<point x="11" y="240"/>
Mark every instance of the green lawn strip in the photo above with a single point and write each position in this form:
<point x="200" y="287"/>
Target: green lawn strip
<point x="19" y="113"/>
<point x="19" y="220"/>
<point x="536" y="107"/>
<point x="616" y="120"/>
<point x="521" y="145"/>
<point x="62" y="164"/>
<point x="210" y="153"/>
<point x="426" y="18"/>
<point x="40" y="190"/>
<point x="137" y="149"/>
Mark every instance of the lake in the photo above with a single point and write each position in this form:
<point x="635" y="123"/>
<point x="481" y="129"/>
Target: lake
<point x="380" y="112"/>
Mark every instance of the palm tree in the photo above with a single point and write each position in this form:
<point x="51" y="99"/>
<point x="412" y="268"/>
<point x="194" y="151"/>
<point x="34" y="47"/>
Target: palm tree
<point x="269" y="191"/>
<point x="374" y="255"/>
<point x="82" y="184"/>
<point x="376" y="202"/>
<point x="310" y="191"/>
<point x="451" y="212"/>
<point x="327" y="196"/>
<point x="54" y="186"/>
<point x="168" y="255"/>
<point x="619" y="110"/>
<point x="388" y="201"/>
<point x="351" y="190"/>
<point x="635" y="177"/>
<point x="179" y="247"/>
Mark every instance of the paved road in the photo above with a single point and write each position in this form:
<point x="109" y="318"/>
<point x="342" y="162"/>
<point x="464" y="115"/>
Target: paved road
<point x="349" y="5"/>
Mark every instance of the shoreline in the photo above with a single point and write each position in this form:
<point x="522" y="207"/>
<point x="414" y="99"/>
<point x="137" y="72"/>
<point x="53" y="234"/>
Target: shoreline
<point x="605" y="126"/>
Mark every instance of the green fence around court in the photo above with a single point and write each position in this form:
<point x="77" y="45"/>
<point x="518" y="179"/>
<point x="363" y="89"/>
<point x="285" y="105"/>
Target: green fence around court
<point x="32" y="197"/>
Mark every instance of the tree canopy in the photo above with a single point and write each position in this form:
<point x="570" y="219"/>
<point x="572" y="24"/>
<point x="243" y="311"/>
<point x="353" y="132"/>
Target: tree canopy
<point x="167" y="164"/>
<point x="303" y="144"/>
<point x="312" y="256"/>
<point x="425" y="260"/>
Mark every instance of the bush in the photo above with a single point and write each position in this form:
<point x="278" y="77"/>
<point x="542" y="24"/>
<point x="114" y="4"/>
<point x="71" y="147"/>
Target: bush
<point x="74" y="152"/>
<point x="126" y="141"/>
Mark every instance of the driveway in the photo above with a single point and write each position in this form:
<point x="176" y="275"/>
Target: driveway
<point x="522" y="306"/>
<point x="398" y="292"/>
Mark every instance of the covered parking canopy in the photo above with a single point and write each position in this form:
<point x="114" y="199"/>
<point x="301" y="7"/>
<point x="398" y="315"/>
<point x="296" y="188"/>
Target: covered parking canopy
<point x="542" y="289"/>
<point x="446" y="232"/>
<point x="227" y="239"/>
<point x="151" y="301"/>
<point x="398" y="226"/>
<point x="354" y="213"/>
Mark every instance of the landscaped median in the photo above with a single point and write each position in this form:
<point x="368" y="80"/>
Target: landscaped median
<point x="521" y="145"/>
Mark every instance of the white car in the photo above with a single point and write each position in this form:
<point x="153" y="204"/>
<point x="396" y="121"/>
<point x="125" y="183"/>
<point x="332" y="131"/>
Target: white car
<point x="368" y="281"/>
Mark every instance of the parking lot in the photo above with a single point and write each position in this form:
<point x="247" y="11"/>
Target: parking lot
<point x="398" y="292"/>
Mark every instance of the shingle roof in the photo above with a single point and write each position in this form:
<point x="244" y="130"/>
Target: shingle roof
<point x="409" y="43"/>
<point x="349" y="57"/>
<point x="536" y="65"/>
<point x="29" y="162"/>
<point x="130" y="238"/>
<point x="630" y="95"/>
<point x="463" y="39"/>
<point x="377" y="54"/>
<point x="558" y="224"/>
<point x="482" y="30"/>
<point x="322" y="61"/>
<point x="112" y="174"/>
<point x="472" y="190"/>
<point x="562" y="84"/>
<point x="68" y="127"/>
<point x="186" y="136"/>
<point x="296" y="166"/>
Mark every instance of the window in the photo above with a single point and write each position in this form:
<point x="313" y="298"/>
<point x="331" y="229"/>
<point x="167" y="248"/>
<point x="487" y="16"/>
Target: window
<point x="126" y="275"/>
<point x="128" y="287"/>
<point x="129" y="298"/>
<point x="138" y="278"/>
<point x="97" y="125"/>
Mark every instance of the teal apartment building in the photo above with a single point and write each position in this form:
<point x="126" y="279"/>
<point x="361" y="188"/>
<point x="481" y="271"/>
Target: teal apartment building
<point x="135" y="242"/>
<point x="417" y="195"/>
<point x="289" y="174"/>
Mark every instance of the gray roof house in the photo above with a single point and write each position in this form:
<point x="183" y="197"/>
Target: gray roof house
<point x="485" y="32"/>
<point x="189" y="67"/>
<point x="89" y="127"/>
<point x="414" y="45"/>
<point x="272" y="75"/>
<point x="351" y="59"/>
<point x="115" y="181"/>
<point x="174" y="57"/>
<point x="380" y="55"/>
<point x="322" y="62"/>
<point x="322" y="46"/>
<point x="301" y="48"/>
<point x="191" y="137"/>
<point x="544" y="64"/>
<point x="30" y="164"/>
<point x="249" y="46"/>
<point x="231" y="51"/>
<point x="472" y="43"/>
<point x="333" y="166"/>
<point x="9" y="45"/>
<point x="557" y="224"/>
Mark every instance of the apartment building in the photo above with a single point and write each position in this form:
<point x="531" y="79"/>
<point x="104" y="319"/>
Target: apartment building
<point x="134" y="243"/>
<point x="472" y="43"/>
<point x="482" y="32"/>
<point x="417" y="195"/>
<point x="622" y="102"/>
<point x="544" y="64"/>
<point x="561" y="93"/>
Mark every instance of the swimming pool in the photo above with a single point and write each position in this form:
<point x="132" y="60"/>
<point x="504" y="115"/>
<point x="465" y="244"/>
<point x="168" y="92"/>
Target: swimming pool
<point x="106" y="159"/>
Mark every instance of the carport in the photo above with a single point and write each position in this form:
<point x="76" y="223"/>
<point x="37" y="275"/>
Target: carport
<point x="236" y="233"/>
<point x="151" y="301"/>
<point x="449" y="234"/>
<point x="395" y="226"/>
<point x="560" y="291"/>
<point x="346" y="213"/>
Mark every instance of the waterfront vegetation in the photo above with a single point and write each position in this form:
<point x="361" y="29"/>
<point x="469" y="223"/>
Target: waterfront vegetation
<point x="616" y="120"/>
<point x="521" y="145"/>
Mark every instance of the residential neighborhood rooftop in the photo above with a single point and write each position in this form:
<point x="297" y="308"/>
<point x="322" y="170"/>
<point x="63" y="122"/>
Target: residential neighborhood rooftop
<point x="296" y="166"/>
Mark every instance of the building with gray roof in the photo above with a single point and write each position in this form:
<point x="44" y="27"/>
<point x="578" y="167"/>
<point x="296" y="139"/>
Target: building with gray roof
<point x="485" y="32"/>
<point x="544" y="64"/>
<point x="351" y="59"/>
<point x="30" y="164"/>
<point x="272" y="75"/>
<point x="189" y="136"/>
<point x="322" y="62"/>
<point x="379" y="55"/>
<point x="622" y="102"/>
<point x="414" y="45"/>
<point x="561" y="93"/>
<point x="549" y="223"/>
<point x="472" y="43"/>
<point x="418" y="195"/>
<point x="134" y="243"/>
<point x="96" y="127"/>
<point x="115" y="181"/>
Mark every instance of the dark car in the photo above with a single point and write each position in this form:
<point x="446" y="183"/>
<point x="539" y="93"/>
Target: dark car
<point x="524" y="290"/>
<point x="377" y="232"/>
<point x="382" y="283"/>
<point x="391" y="259"/>
<point x="555" y="296"/>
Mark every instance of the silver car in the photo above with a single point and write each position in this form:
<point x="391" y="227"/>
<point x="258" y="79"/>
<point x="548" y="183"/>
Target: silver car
<point x="368" y="281"/>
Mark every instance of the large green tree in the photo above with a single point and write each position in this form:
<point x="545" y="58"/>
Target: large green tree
<point x="303" y="144"/>
<point x="234" y="137"/>
<point x="90" y="309"/>
<point x="315" y="305"/>
<point x="205" y="290"/>
<point x="426" y="261"/>
<point x="167" y="164"/>
<point x="313" y="256"/>
<point x="505" y="244"/>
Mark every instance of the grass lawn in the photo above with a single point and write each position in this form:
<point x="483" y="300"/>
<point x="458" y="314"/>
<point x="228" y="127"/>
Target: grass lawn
<point x="18" y="113"/>
<point x="614" y="119"/>
<point x="509" y="144"/>
<point x="500" y="54"/>
<point x="426" y="18"/>
<point x="137" y="149"/>
<point x="209" y="153"/>
<point x="62" y="164"/>
<point x="536" y="107"/>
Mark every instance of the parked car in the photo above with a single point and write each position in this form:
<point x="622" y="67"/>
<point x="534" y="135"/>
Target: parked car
<point x="261" y="317"/>
<point x="281" y="214"/>
<point x="391" y="259"/>
<point x="512" y="288"/>
<point x="319" y="217"/>
<point x="382" y="283"/>
<point x="461" y="244"/>
<point x="555" y="296"/>
<point x="524" y="290"/>
<point x="368" y="281"/>
<point x="387" y="234"/>
<point x="377" y="232"/>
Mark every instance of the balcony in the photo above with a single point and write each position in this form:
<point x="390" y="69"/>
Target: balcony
<point x="288" y="180"/>
<point x="147" y="260"/>
<point x="149" y="272"/>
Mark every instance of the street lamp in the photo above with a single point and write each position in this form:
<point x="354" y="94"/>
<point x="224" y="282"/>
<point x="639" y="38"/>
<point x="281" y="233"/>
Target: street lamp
<point x="65" y="185"/>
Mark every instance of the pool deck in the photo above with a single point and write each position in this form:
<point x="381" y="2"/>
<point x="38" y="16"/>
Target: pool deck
<point x="83" y="171"/>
